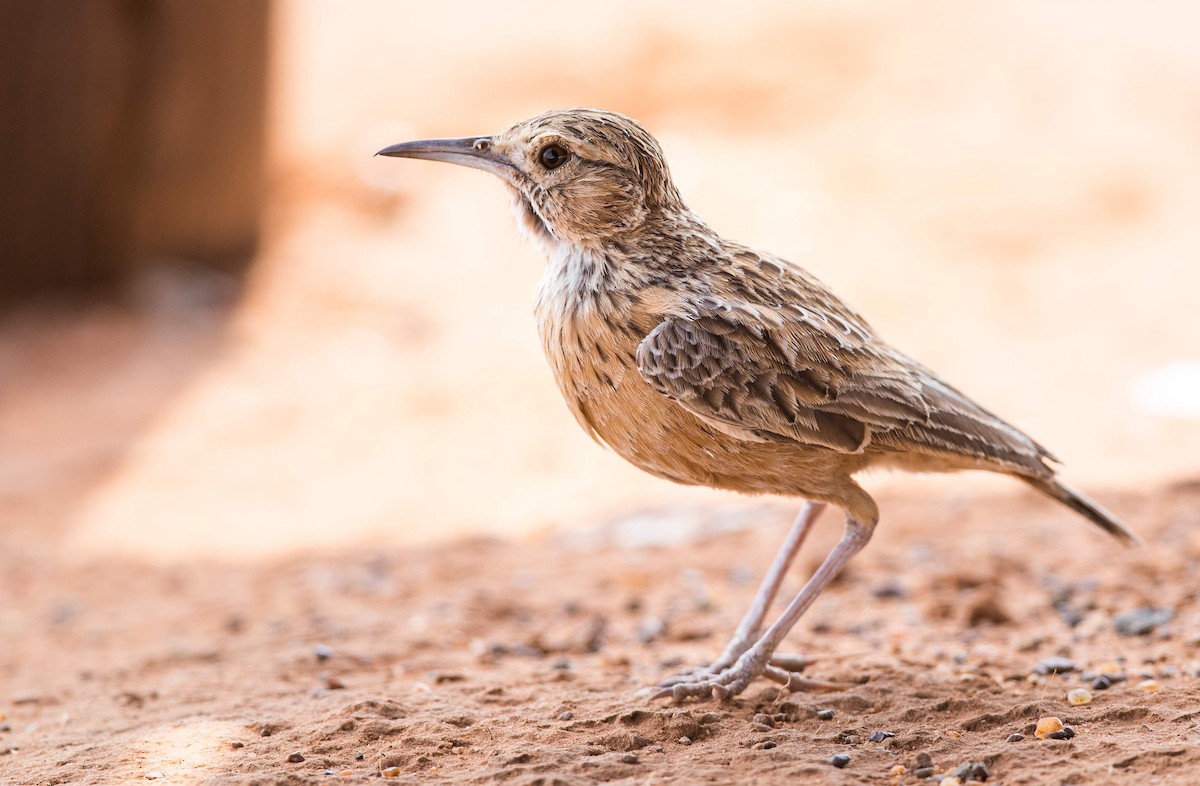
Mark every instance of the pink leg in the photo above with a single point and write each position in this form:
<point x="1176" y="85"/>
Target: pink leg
<point x="751" y="624"/>
<point x="756" y="660"/>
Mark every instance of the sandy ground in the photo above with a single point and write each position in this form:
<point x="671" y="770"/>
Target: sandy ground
<point x="346" y="514"/>
<point x="492" y="661"/>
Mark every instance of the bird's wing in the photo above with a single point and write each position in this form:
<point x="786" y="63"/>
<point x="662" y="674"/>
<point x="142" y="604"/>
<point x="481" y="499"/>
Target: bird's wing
<point x="821" y="377"/>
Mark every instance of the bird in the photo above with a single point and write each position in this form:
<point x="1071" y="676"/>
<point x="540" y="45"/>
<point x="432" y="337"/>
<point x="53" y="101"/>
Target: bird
<point x="706" y="362"/>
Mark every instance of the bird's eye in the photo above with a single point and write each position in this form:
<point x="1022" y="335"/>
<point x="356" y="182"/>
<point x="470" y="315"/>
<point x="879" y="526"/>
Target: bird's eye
<point x="553" y="156"/>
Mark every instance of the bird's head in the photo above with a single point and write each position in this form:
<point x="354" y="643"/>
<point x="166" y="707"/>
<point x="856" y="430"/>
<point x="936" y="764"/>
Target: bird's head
<point x="579" y="177"/>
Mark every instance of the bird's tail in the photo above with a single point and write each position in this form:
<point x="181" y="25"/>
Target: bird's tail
<point x="1081" y="504"/>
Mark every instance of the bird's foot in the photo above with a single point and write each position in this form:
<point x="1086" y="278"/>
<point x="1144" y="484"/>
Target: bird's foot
<point x="723" y="680"/>
<point x="789" y="663"/>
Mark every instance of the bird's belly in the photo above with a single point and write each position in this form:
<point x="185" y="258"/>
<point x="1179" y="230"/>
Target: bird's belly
<point x="661" y="437"/>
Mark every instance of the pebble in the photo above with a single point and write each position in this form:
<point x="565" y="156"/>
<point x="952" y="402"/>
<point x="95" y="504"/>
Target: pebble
<point x="765" y="745"/>
<point x="1047" y="725"/>
<point x="923" y="772"/>
<point x="391" y="772"/>
<point x="153" y="776"/>
<point x="359" y="756"/>
<point x="1148" y="685"/>
<point x="235" y="745"/>
<point x="825" y="714"/>
<point x="1065" y="733"/>
<point x="322" y="652"/>
<point x="295" y="758"/>
<point x="971" y="771"/>
<point x="333" y="683"/>
<point x="1102" y="683"/>
<point x="1054" y="666"/>
<point x="566" y="716"/>
<point x="897" y="770"/>
<point x="880" y="736"/>
<point x="951" y="780"/>
<point x="684" y="740"/>
<point x="839" y="760"/>
<point x="764" y="719"/>
<point x="924" y="760"/>
<point x="265" y="731"/>
<point x="1015" y="737"/>
<point x="629" y="758"/>
<point x="1141" y="621"/>
<point x="1079" y="696"/>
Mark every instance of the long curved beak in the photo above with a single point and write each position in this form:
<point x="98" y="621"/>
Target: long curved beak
<point x="473" y="151"/>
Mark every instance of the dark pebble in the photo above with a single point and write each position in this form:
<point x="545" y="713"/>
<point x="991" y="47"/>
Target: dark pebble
<point x="1054" y="666"/>
<point x="566" y="716"/>
<point x="880" y="736"/>
<point x="923" y="772"/>
<point x="764" y="719"/>
<point x="333" y="683"/>
<point x="265" y="731"/>
<point x="765" y="745"/>
<point x="329" y="772"/>
<point x="1015" y="738"/>
<point x="359" y="756"/>
<point x="322" y="652"/>
<point x="1101" y="683"/>
<point x="5" y="727"/>
<point x="889" y="590"/>
<point x="235" y="745"/>
<point x="1141" y="621"/>
<point x="839" y="760"/>
<point x="972" y="771"/>
<point x="825" y="714"/>
<point x="1065" y="733"/>
<point x="295" y="758"/>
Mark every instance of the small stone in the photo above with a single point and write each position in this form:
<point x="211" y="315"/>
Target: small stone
<point x="923" y="772"/>
<point x="333" y="683"/>
<point x="764" y="719"/>
<point x="295" y="758"/>
<point x="566" y="716"/>
<point x="1047" y="725"/>
<point x="359" y="756"/>
<point x="153" y="776"/>
<point x="951" y="780"/>
<point x="1148" y="685"/>
<point x="1054" y="666"/>
<point x="5" y="727"/>
<point x="971" y="771"/>
<point x="265" y="731"/>
<point x="1015" y="737"/>
<point x="1102" y="682"/>
<point x="880" y="736"/>
<point x="1079" y="696"/>
<point x="954" y="735"/>
<point x="839" y="760"/>
<point x="762" y="727"/>
<point x="322" y="652"/>
<point x="235" y="745"/>
<point x="897" y="770"/>
<point x="1065" y="733"/>
<point x="924" y="760"/>
<point x="1140" y="622"/>
<point x="391" y="772"/>
<point x="826" y="714"/>
<point x="629" y="758"/>
<point x="345" y="773"/>
<point x="684" y="740"/>
<point x="765" y="745"/>
<point x="328" y="772"/>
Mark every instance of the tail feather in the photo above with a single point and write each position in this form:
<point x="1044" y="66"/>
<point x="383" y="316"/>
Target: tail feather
<point x="1081" y="504"/>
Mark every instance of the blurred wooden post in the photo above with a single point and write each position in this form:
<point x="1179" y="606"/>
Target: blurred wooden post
<point x="130" y="131"/>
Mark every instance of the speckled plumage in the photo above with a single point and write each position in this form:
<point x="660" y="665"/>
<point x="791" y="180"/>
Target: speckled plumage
<point x="706" y="362"/>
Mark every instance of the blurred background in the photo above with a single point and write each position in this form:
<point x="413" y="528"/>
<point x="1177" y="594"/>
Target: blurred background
<point x="227" y="330"/>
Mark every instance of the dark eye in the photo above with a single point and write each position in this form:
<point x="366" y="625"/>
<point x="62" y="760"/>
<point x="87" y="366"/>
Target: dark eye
<point x="553" y="156"/>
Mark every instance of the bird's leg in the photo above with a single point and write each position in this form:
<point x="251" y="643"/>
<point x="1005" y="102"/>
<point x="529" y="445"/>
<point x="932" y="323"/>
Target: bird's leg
<point x="751" y="624"/>
<point x="757" y="660"/>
